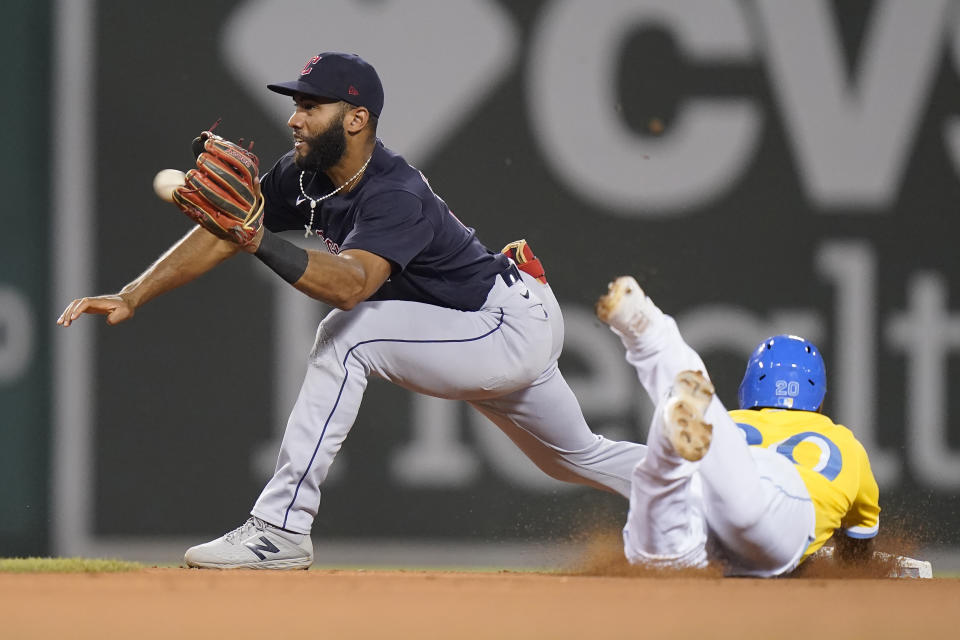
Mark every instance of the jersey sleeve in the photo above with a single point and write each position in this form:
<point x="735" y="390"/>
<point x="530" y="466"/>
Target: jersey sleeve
<point x="391" y="225"/>
<point x="863" y="518"/>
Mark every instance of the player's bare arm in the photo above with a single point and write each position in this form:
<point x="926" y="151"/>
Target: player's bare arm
<point x="343" y="280"/>
<point x="195" y="254"/>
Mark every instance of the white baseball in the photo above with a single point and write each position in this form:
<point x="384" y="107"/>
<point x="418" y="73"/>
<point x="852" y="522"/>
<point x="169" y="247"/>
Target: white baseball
<point x="166" y="181"/>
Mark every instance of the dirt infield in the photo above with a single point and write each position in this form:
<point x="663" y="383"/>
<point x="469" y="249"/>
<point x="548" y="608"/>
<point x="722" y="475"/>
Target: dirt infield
<point x="180" y="603"/>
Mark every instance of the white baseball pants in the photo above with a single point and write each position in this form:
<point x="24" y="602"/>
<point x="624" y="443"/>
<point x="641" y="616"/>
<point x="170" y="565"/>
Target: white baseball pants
<point x="501" y="359"/>
<point x="746" y="507"/>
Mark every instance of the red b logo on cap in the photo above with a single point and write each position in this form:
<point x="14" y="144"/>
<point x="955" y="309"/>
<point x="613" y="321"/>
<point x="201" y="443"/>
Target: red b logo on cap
<point x="353" y="91"/>
<point x="307" y="68"/>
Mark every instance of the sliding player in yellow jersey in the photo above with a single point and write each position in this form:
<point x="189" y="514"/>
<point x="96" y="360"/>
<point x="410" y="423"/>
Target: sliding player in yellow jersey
<point x="758" y="489"/>
<point x="830" y="460"/>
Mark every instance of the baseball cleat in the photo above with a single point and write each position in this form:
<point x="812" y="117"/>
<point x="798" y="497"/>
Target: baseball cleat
<point x="688" y="432"/>
<point x="253" y="545"/>
<point x="624" y="306"/>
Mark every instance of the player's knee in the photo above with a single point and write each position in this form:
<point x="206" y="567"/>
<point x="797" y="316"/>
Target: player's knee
<point x="686" y="553"/>
<point x="328" y="352"/>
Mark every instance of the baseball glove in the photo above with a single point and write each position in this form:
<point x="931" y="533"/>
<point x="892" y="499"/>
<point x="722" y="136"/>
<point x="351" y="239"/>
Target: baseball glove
<point x="520" y="252"/>
<point x="222" y="194"/>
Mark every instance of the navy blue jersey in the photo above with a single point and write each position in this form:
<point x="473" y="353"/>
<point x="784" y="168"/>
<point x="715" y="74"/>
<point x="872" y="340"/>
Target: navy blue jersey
<point x="393" y="213"/>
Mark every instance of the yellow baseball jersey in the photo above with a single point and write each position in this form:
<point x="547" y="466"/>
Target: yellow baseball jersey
<point x="831" y="461"/>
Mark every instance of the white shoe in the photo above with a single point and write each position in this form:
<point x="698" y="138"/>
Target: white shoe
<point x="625" y="306"/>
<point x="686" y="429"/>
<point x="253" y="545"/>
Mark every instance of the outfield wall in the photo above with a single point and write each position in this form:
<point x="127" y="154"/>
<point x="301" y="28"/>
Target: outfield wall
<point x="760" y="167"/>
<point x="25" y="274"/>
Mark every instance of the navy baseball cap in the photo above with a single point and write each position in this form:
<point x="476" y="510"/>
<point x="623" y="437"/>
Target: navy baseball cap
<point x="341" y="76"/>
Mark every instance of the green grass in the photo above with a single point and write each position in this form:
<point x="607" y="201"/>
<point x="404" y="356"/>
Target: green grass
<point x="66" y="565"/>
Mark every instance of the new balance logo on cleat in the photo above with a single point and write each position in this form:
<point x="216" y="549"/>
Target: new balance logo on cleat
<point x="273" y="548"/>
<point x="257" y="548"/>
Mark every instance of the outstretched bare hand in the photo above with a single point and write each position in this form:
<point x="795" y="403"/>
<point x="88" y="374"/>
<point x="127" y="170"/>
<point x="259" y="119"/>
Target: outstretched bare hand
<point x="115" y="307"/>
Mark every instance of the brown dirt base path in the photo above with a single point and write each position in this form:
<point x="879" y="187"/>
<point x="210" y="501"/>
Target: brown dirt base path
<point x="180" y="603"/>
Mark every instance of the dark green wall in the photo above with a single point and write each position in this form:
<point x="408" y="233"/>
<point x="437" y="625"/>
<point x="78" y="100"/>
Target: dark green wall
<point x="25" y="389"/>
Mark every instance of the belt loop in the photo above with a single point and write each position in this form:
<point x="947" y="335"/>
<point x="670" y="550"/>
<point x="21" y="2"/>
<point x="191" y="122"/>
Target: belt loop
<point x="510" y="275"/>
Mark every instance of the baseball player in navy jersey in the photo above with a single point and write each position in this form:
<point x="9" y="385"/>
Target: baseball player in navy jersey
<point x="419" y="302"/>
<point x="759" y="489"/>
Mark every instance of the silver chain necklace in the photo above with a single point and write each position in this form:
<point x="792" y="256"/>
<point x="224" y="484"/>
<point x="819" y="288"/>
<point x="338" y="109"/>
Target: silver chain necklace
<point x="313" y="202"/>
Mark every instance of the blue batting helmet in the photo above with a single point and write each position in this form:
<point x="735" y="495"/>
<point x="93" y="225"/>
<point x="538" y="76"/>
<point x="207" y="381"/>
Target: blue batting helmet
<point x="784" y="371"/>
